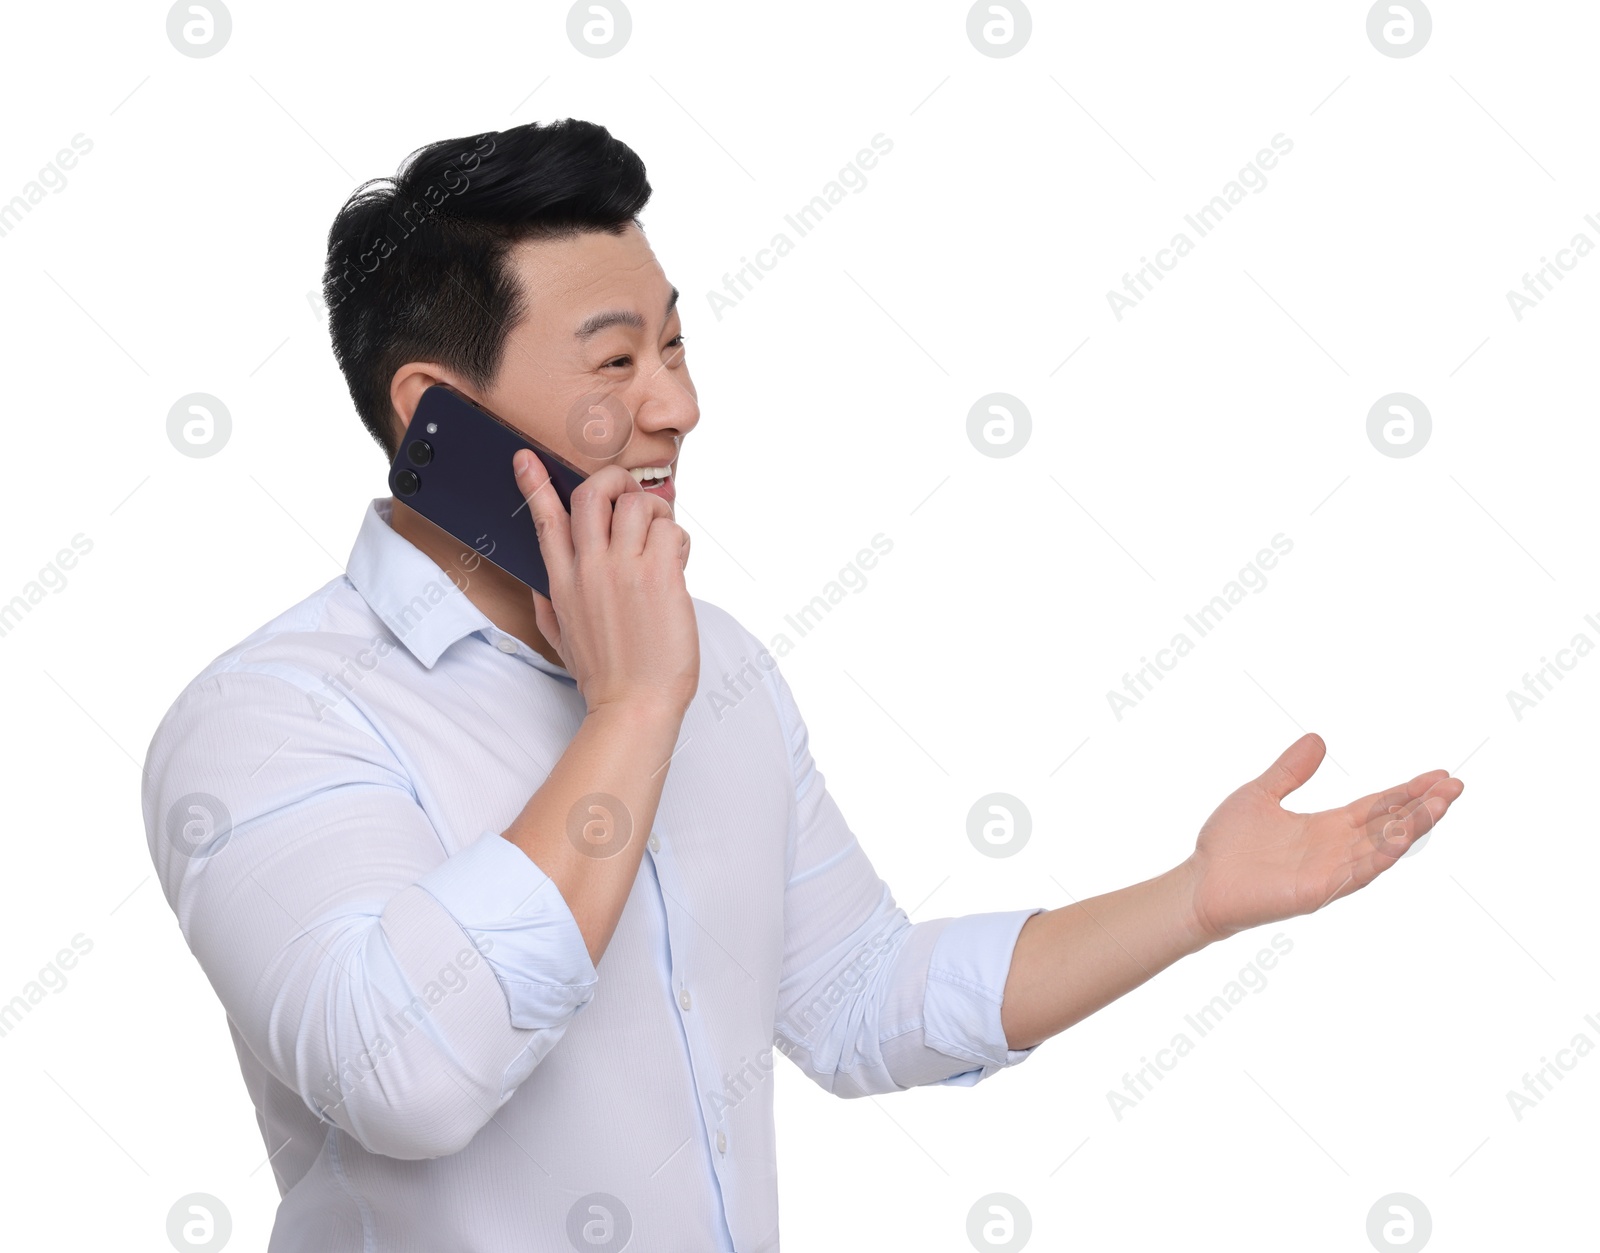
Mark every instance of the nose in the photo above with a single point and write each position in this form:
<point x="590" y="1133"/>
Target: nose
<point x="666" y="403"/>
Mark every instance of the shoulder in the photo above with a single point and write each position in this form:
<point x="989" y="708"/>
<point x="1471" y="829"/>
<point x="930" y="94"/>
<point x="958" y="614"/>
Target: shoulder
<point x="330" y="624"/>
<point x="728" y="642"/>
<point x="735" y="665"/>
<point x="716" y="623"/>
<point x="274" y="696"/>
<point x="724" y="634"/>
<point x="279" y="670"/>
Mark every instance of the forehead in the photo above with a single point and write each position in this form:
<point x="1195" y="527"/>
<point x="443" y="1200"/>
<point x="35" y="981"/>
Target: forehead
<point x="565" y="280"/>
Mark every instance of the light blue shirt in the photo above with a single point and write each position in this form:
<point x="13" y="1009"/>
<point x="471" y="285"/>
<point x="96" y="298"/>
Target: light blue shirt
<point x="434" y="1061"/>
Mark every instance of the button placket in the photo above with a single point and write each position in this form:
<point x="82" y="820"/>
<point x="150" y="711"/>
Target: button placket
<point x="685" y="1003"/>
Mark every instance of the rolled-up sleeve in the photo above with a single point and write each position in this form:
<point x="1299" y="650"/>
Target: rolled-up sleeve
<point x="870" y="1002"/>
<point x="966" y="978"/>
<point x="403" y="993"/>
<point x="517" y="916"/>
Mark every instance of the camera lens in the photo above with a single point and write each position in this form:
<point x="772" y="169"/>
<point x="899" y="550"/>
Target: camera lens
<point x="420" y="452"/>
<point x="406" y="483"/>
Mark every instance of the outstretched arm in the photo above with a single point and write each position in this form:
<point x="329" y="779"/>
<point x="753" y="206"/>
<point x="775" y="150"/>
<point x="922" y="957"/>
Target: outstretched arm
<point x="1254" y="862"/>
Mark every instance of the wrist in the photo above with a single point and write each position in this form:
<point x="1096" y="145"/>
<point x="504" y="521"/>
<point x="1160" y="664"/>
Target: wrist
<point x="1180" y="888"/>
<point x="648" y="711"/>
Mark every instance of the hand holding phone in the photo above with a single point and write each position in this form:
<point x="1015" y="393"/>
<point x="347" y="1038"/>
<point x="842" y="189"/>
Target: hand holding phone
<point x="453" y="467"/>
<point x="618" y="611"/>
<point x="607" y="580"/>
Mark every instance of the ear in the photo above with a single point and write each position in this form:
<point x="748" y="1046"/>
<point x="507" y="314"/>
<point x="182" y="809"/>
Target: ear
<point x="407" y="386"/>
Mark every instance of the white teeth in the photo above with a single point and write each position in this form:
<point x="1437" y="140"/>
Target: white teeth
<point x="651" y="472"/>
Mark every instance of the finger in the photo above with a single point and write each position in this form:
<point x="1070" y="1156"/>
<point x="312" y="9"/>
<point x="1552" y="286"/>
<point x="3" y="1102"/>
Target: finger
<point x="665" y="545"/>
<point x="593" y="503"/>
<point x="631" y="521"/>
<point x="1367" y="807"/>
<point x="1394" y="832"/>
<point x="683" y="558"/>
<point x="550" y="522"/>
<point x="1297" y="764"/>
<point x="544" y="617"/>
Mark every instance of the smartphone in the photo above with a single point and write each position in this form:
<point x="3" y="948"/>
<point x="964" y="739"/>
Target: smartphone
<point x="454" y="468"/>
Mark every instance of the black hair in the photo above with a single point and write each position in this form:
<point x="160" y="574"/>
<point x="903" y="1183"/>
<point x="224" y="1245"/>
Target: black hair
<point x="417" y="264"/>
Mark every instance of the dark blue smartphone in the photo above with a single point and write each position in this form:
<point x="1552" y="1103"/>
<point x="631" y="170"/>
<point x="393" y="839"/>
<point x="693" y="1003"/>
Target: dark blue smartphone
<point x="454" y="468"/>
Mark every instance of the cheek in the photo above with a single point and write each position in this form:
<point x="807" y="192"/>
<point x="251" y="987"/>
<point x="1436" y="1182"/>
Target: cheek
<point x="598" y="427"/>
<point x="541" y="402"/>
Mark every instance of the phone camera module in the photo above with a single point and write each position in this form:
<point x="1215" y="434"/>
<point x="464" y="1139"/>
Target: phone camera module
<point x="420" y="452"/>
<point x="407" y="483"/>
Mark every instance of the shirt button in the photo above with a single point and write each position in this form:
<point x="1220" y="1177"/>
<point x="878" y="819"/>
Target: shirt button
<point x="506" y="644"/>
<point x="683" y="998"/>
<point x="655" y="844"/>
<point x="722" y="1142"/>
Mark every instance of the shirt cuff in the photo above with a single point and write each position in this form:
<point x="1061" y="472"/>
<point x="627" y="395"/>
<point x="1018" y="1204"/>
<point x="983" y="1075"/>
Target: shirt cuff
<point x="966" y="981"/>
<point x="519" y="921"/>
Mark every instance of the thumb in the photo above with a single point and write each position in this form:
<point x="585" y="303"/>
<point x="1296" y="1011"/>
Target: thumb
<point x="1297" y="764"/>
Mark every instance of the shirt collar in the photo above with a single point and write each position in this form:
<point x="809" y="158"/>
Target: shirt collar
<point x="413" y="597"/>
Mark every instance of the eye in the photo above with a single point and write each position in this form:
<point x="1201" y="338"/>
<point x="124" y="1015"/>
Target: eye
<point x="675" y="342"/>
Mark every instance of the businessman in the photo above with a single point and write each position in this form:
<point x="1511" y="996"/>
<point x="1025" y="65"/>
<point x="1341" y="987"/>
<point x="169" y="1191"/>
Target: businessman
<point x="511" y="921"/>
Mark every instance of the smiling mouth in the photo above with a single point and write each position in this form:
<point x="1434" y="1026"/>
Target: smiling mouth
<point x="651" y="476"/>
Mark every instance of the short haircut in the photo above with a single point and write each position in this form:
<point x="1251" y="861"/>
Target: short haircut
<point x="417" y="265"/>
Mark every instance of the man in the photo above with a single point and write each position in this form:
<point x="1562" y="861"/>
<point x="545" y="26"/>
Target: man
<point x="508" y="916"/>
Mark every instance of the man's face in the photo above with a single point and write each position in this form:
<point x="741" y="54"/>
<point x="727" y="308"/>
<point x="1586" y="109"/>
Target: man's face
<point x="595" y="370"/>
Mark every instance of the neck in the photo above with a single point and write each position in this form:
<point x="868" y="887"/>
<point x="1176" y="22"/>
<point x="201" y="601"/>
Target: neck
<point x="505" y="601"/>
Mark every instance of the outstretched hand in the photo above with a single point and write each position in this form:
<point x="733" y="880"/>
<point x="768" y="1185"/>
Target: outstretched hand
<point x="1256" y="862"/>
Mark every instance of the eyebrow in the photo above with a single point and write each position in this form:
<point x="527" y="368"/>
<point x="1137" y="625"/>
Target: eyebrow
<point x="598" y="322"/>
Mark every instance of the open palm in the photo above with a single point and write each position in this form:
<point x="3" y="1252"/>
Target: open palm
<point x="1256" y="862"/>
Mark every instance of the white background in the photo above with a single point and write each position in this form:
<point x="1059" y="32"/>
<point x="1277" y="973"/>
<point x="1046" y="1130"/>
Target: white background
<point x="1228" y="407"/>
